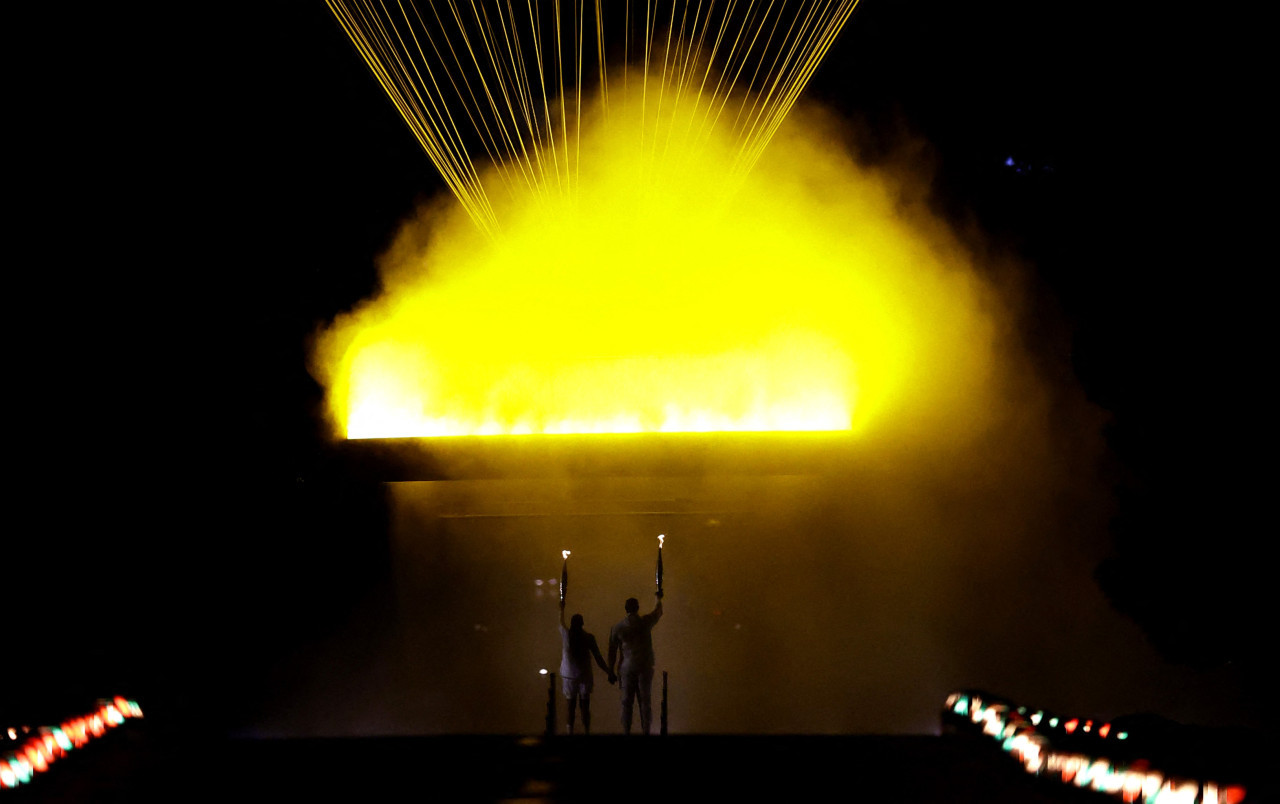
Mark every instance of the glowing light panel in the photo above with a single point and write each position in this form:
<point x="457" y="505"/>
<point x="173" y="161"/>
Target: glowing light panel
<point x="649" y="265"/>
<point x="664" y="301"/>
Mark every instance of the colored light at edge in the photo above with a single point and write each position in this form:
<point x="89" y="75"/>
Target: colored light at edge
<point x="41" y="749"/>
<point x="1136" y="783"/>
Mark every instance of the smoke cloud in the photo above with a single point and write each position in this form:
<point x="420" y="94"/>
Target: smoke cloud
<point x="951" y="545"/>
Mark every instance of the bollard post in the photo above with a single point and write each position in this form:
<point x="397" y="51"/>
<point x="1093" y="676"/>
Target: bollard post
<point x="662" y="727"/>
<point x="551" y="704"/>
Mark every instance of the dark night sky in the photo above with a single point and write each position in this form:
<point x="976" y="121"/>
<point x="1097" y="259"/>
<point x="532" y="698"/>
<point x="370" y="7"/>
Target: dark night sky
<point x="233" y="202"/>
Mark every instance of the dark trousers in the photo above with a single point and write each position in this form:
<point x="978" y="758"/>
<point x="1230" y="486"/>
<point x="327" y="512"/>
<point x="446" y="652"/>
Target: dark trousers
<point x="637" y="683"/>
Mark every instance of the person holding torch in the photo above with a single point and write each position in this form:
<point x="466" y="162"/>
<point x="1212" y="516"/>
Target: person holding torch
<point x="578" y="648"/>
<point x="631" y="645"/>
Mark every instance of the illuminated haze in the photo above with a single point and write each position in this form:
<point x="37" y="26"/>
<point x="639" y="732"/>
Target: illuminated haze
<point x="659" y="293"/>
<point x="949" y="543"/>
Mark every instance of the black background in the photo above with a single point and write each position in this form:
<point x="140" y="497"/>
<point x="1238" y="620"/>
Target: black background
<point x="195" y="194"/>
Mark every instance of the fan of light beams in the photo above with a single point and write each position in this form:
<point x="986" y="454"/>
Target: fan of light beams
<point x="640" y="245"/>
<point x="506" y="80"/>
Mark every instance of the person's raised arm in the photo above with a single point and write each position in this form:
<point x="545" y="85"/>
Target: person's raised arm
<point x="653" y="616"/>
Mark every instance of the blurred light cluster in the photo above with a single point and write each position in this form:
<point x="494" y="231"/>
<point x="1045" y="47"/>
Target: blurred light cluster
<point x="1023" y="166"/>
<point x="1076" y="751"/>
<point x="38" y="749"/>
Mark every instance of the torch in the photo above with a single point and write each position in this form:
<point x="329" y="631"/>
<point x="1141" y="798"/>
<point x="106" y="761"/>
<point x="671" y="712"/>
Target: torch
<point x="659" y="578"/>
<point x="564" y="576"/>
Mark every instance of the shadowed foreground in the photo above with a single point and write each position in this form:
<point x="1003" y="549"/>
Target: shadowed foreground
<point x="138" y="765"/>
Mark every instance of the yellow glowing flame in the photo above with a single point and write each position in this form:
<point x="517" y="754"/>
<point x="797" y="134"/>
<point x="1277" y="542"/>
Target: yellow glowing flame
<point x="660" y="538"/>
<point x="565" y="553"/>
<point x="661" y="295"/>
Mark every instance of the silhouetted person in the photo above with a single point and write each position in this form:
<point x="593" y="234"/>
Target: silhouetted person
<point x="635" y="669"/>
<point x="578" y="648"/>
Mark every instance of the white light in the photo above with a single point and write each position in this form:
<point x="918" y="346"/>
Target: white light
<point x="565" y="553"/>
<point x="661" y="536"/>
<point x="542" y="672"/>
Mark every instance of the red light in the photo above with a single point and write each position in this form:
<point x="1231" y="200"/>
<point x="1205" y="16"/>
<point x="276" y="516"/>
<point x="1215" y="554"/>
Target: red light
<point x="76" y="731"/>
<point x="36" y="759"/>
<point x="1104" y="729"/>
<point x="1233" y="794"/>
<point x="8" y="776"/>
<point x="1070" y="725"/>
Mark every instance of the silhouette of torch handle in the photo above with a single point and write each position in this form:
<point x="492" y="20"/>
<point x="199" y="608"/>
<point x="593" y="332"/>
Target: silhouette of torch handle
<point x="659" y="576"/>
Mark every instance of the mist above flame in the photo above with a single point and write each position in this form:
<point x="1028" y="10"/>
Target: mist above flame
<point x="665" y="295"/>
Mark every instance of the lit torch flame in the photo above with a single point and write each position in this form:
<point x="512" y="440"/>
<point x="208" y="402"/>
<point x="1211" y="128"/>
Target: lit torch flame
<point x="565" y="553"/>
<point x="661" y="536"/>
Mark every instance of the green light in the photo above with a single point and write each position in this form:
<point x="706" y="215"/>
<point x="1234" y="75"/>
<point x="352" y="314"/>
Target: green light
<point x="1053" y="722"/>
<point x="62" y="739"/>
<point x="1124" y="735"/>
